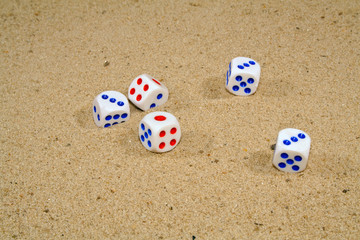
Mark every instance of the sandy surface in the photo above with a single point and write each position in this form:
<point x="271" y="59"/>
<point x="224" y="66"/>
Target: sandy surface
<point x="64" y="178"/>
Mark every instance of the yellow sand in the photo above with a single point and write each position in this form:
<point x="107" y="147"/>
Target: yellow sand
<point x="64" y="178"/>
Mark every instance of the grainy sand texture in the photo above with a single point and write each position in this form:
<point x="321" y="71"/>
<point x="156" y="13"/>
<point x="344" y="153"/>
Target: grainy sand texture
<point x="62" y="177"/>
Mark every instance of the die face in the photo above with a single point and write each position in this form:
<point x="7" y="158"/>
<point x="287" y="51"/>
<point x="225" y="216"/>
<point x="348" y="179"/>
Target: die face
<point x="289" y="161"/>
<point x="159" y="132"/>
<point x="294" y="139"/>
<point x="292" y="150"/>
<point x="110" y="108"/>
<point x="145" y="92"/>
<point x="168" y="138"/>
<point x="242" y="77"/>
<point x="145" y="134"/>
<point x="242" y="84"/>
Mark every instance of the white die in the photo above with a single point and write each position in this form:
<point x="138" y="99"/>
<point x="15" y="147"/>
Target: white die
<point x="159" y="131"/>
<point x="110" y="108"/>
<point x="292" y="150"/>
<point x="243" y="76"/>
<point x="145" y="92"/>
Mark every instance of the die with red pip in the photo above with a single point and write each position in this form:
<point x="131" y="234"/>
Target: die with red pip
<point x="159" y="131"/>
<point x="146" y="92"/>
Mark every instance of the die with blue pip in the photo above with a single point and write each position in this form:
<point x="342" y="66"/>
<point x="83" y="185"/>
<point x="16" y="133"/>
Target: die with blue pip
<point x="292" y="149"/>
<point x="110" y="108"/>
<point x="243" y="76"/>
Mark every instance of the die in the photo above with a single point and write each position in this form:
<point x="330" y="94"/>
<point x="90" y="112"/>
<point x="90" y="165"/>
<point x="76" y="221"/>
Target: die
<point x="243" y="76"/>
<point x="110" y="108"/>
<point x="292" y="150"/>
<point x="159" y="131"/>
<point x="145" y="92"/>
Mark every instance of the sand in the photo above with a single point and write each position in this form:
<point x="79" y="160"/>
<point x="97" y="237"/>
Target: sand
<point x="64" y="178"/>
